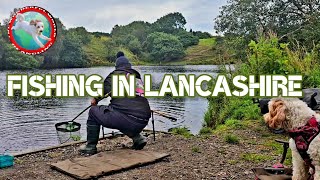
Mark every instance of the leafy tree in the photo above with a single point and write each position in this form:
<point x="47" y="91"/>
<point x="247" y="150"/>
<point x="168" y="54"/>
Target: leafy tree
<point x="82" y="34"/>
<point x="133" y="44"/>
<point x="164" y="47"/>
<point x="131" y="36"/>
<point x="139" y="29"/>
<point x="287" y="18"/>
<point x="187" y="39"/>
<point x="72" y="54"/>
<point x="170" y="23"/>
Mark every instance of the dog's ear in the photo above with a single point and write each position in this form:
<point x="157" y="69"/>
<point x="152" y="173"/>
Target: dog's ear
<point x="277" y="114"/>
<point x="33" y="22"/>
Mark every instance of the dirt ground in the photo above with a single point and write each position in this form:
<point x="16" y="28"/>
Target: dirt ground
<point x="211" y="156"/>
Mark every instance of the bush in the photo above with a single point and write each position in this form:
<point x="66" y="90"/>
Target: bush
<point x="164" y="47"/>
<point x="206" y="131"/>
<point x="231" y="139"/>
<point x="187" y="39"/>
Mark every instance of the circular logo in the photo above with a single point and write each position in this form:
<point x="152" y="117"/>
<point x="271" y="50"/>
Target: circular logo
<point x="32" y="30"/>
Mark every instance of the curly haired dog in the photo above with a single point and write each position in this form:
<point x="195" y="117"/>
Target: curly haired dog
<point x="302" y="124"/>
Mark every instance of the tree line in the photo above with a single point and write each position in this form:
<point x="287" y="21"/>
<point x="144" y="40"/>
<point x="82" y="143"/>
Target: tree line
<point x="164" y="40"/>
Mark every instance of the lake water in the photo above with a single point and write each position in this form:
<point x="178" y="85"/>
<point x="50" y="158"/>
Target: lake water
<point x="29" y="124"/>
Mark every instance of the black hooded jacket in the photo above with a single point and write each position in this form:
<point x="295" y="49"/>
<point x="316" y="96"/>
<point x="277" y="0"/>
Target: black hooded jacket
<point x="137" y="106"/>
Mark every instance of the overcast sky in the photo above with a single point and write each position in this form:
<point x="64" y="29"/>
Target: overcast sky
<point x="102" y="15"/>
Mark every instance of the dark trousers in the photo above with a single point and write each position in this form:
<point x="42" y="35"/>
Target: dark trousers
<point x="108" y="117"/>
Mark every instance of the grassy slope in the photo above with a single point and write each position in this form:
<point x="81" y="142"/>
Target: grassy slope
<point x="97" y="52"/>
<point x="199" y="54"/>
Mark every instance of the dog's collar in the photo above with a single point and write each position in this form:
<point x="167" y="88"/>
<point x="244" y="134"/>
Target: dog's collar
<point x="303" y="136"/>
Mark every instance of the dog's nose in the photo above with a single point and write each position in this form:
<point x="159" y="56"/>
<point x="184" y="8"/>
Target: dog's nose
<point x="41" y="31"/>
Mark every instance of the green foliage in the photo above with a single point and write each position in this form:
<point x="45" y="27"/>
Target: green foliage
<point x="139" y="29"/>
<point x="97" y="51"/>
<point x="206" y="131"/>
<point x="231" y="139"/>
<point x="139" y="37"/>
<point x="222" y="108"/>
<point x="170" y="23"/>
<point x="269" y="56"/>
<point x="187" y="39"/>
<point x="278" y="149"/>
<point x="164" y="47"/>
<point x="133" y="44"/>
<point x="233" y="123"/>
<point x="72" y="54"/>
<point x="181" y="131"/>
<point x="82" y="34"/>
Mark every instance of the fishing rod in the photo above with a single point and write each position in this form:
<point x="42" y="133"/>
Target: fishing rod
<point x="89" y="107"/>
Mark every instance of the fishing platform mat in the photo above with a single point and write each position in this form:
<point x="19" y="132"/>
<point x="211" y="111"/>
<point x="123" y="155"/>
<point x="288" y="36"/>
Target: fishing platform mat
<point x="106" y="162"/>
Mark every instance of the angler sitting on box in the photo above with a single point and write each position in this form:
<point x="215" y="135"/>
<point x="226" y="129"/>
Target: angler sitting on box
<point x="129" y="115"/>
